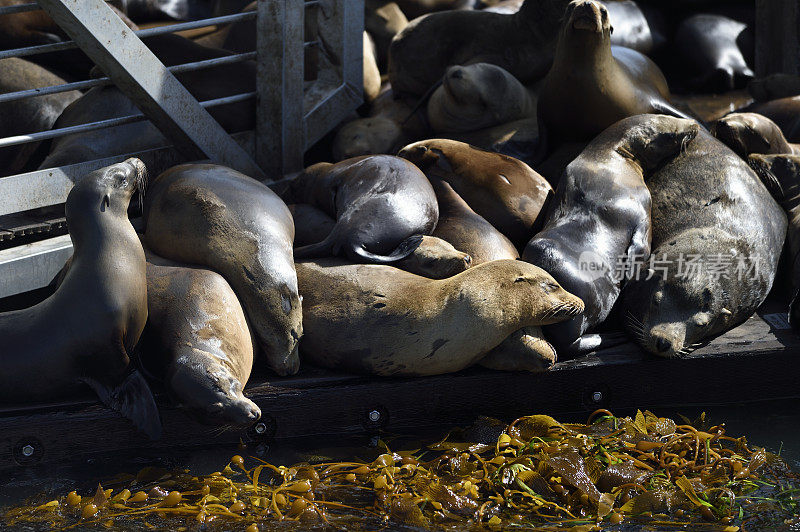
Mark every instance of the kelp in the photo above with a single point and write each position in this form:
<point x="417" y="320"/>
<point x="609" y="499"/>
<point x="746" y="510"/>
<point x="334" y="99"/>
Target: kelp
<point x="537" y="473"/>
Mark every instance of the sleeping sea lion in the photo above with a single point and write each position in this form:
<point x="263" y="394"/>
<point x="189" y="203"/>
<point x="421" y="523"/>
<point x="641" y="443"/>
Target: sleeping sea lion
<point x="382" y="205"/>
<point x="86" y="331"/>
<point x="426" y="327"/>
<point x="747" y="133"/>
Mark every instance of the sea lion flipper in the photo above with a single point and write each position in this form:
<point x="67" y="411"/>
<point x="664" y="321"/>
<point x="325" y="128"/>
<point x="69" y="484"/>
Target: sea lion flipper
<point x="406" y="248"/>
<point x="595" y="342"/>
<point x="133" y="399"/>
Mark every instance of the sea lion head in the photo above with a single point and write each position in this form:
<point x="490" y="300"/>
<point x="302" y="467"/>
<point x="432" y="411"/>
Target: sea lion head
<point x="671" y="314"/>
<point x="776" y="171"/>
<point x="745" y="133"/>
<point x="535" y="292"/>
<point x="435" y="258"/>
<point x="107" y="190"/>
<point x="211" y="394"/>
<point x="652" y="138"/>
<point x="477" y="96"/>
<point x="586" y="17"/>
<point x="367" y="136"/>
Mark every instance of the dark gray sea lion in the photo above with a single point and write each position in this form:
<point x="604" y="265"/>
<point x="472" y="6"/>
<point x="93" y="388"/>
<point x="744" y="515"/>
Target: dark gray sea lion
<point x="427" y="327"/>
<point x="710" y="50"/>
<point x="29" y="115"/>
<point x="747" y="133"/>
<point x="781" y="175"/>
<point x="593" y="85"/>
<point x="86" y="331"/>
<point x="215" y="217"/>
<point x="710" y="212"/>
<point x="774" y="86"/>
<point x="600" y="215"/>
<point x="382" y="205"/>
<point x="504" y="190"/>
<point x="522" y="44"/>
<point x="383" y="20"/>
<point x="525" y="349"/>
<point x="478" y="96"/>
<point x="433" y="258"/>
<point x="197" y="341"/>
<point x="631" y="28"/>
<point x="417" y="8"/>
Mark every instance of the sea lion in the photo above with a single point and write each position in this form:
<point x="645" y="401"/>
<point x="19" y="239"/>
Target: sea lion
<point x="29" y="115"/>
<point x="427" y="327"/>
<point x="781" y="175"/>
<point x="600" y="216"/>
<point x="85" y="332"/>
<point x="197" y="341"/>
<point x="216" y="217"/>
<point x="478" y="96"/>
<point x="710" y="213"/>
<point x="101" y="103"/>
<point x="417" y="8"/>
<point x="382" y="205"/>
<point x="504" y="190"/>
<point x="747" y="133"/>
<point x="710" y="48"/>
<point x="372" y="76"/>
<point x="518" y="139"/>
<point x="522" y="44"/>
<point x="631" y="28"/>
<point x="784" y="111"/>
<point x="592" y="84"/>
<point x="433" y="258"/>
<point x="383" y="20"/>
<point x="774" y="86"/>
<point x="523" y="350"/>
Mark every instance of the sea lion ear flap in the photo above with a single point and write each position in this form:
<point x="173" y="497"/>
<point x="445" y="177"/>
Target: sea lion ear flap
<point x="134" y="400"/>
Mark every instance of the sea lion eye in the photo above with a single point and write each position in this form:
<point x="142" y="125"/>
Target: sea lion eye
<point x="549" y="287"/>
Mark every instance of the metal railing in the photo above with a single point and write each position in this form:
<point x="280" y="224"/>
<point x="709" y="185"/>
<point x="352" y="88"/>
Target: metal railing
<point x="293" y="108"/>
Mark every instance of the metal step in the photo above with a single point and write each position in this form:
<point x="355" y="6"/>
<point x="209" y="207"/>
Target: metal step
<point x="32" y="266"/>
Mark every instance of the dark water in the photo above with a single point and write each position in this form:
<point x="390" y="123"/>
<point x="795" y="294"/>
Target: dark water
<point x="774" y="425"/>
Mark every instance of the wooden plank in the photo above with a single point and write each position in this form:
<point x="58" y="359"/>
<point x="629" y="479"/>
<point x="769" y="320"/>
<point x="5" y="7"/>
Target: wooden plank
<point x="134" y="69"/>
<point x="280" y="136"/>
<point x="755" y="361"/>
<point x="777" y="37"/>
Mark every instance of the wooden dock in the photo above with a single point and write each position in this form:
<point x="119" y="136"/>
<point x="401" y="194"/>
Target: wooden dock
<point x="756" y="361"/>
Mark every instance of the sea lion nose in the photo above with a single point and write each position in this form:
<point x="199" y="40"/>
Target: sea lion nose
<point x="254" y="414"/>
<point x="662" y="344"/>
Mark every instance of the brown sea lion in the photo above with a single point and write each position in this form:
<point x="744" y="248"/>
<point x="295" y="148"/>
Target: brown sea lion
<point x="600" y="217"/>
<point x="197" y="341"/>
<point x="383" y="20"/>
<point x="717" y="237"/>
<point x="216" y="217"/>
<point x="747" y="133"/>
<point x="593" y="85"/>
<point x="781" y="175"/>
<point x="523" y="350"/>
<point x="784" y="111"/>
<point x="382" y="205"/>
<point x="101" y="103"/>
<point x="522" y="44"/>
<point x="427" y="327"/>
<point x="372" y="76"/>
<point x="504" y="190"/>
<point x="518" y="139"/>
<point x="29" y="115"/>
<point x="478" y="96"/>
<point x="86" y="331"/>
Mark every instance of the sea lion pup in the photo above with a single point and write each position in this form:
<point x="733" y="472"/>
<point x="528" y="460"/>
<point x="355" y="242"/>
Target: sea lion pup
<point x="781" y="175"/>
<point x="478" y="96"/>
<point x="504" y="190"/>
<point x="29" y="115"/>
<point x="383" y="321"/>
<point x="216" y="217"/>
<point x="709" y="48"/>
<point x="592" y="84"/>
<point x="717" y="237"/>
<point x="785" y="112"/>
<point x="434" y="258"/>
<point x="523" y="350"/>
<point x="197" y="341"/>
<point x="601" y="215"/>
<point x="382" y="205"/>
<point x="747" y="133"/>
<point x="522" y="44"/>
<point x="85" y="332"/>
